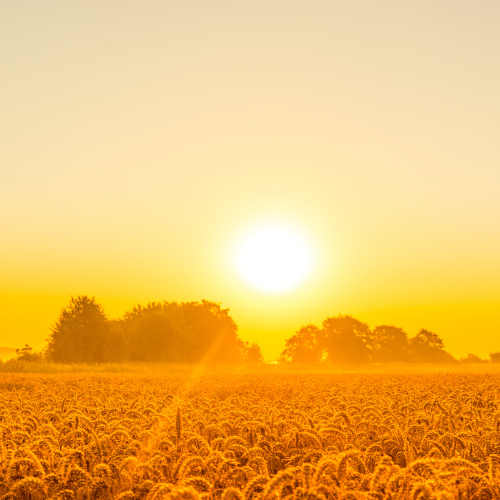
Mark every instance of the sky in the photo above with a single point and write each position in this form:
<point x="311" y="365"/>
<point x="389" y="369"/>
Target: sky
<point x="140" y="140"/>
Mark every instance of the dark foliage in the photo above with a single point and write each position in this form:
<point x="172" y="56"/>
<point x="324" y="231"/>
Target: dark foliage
<point x="28" y="355"/>
<point x="84" y="334"/>
<point x="345" y="340"/>
<point x="190" y="332"/>
<point x="495" y="357"/>
<point x="253" y="354"/>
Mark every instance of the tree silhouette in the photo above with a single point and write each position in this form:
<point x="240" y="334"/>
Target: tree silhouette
<point x="84" y="334"/>
<point x="187" y="332"/>
<point x="473" y="359"/>
<point x="155" y="336"/>
<point x="28" y="355"/>
<point x="346" y="340"/>
<point x="305" y="346"/>
<point x="428" y="347"/>
<point x="211" y="333"/>
<point x="341" y="340"/>
<point x="253" y="354"/>
<point x="389" y="344"/>
<point x="495" y="357"/>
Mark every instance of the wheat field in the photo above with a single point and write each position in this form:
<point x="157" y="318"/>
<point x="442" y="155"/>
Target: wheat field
<point x="250" y="437"/>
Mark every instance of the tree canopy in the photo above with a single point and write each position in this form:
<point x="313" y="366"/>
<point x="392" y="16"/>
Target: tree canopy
<point x="84" y="334"/>
<point x="389" y="344"/>
<point x="305" y="346"/>
<point x="186" y="332"/>
<point x="346" y="340"/>
<point x="253" y="354"/>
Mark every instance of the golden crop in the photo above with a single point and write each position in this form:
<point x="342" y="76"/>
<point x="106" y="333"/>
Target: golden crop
<point x="250" y="437"/>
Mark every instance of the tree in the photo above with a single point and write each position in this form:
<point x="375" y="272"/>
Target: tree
<point x="210" y="333"/>
<point x="389" y="344"/>
<point x="495" y="357"/>
<point x="28" y="355"/>
<point x="473" y="359"/>
<point x="153" y="333"/>
<point x="305" y="346"/>
<point x="428" y="347"/>
<point x="346" y="340"/>
<point x="253" y="354"/>
<point x="155" y="337"/>
<point x="187" y="332"/>
<point x="84" y="334"/>
<point x="341" y="340"/>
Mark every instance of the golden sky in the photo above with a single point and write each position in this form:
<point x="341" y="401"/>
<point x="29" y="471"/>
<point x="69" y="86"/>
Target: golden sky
<point x="139" y="139"/>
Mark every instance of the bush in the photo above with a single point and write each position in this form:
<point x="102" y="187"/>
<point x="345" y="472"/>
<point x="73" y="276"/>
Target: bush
<point x="28" y="355"/>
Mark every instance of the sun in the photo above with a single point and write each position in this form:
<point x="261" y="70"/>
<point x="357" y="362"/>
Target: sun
<point x="274" y="258"/>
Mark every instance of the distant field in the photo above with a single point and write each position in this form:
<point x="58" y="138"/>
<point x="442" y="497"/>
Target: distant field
<point x="243" y="437"/>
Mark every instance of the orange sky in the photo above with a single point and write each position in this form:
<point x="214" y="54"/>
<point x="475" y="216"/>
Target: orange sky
<point x="137" y="140"/>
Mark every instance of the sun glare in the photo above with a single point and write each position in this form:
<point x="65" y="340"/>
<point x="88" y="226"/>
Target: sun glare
<point x="274" y="258"/>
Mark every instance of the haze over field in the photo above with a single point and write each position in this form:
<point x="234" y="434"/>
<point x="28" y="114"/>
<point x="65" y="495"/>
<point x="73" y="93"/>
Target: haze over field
<point x="146" y="150"/>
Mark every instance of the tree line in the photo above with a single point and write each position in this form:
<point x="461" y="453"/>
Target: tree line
<point x="186" y="332"/>
<point x="346" y="340"/>
<point x="203" y="332"/>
